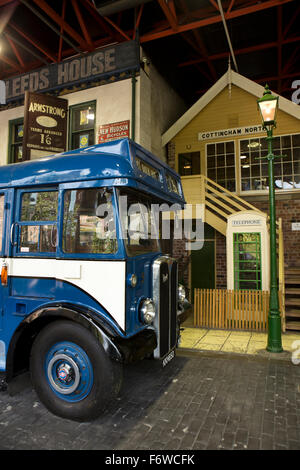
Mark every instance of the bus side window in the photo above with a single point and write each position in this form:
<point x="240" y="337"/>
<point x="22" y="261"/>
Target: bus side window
<point x="38" y="222"/>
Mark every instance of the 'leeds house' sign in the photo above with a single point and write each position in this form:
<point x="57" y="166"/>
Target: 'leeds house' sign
<point x="104" y="62"/>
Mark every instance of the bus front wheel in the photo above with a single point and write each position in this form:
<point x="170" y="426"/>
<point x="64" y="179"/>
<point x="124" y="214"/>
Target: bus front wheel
<point x="71" y="373"/>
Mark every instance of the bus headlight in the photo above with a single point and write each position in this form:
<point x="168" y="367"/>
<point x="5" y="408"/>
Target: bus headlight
<point x="181" y="293"/>
<point x="147" y="311"/>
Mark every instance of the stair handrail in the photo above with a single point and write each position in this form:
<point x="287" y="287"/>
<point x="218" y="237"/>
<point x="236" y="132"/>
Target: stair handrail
<point x="235" y="200"/>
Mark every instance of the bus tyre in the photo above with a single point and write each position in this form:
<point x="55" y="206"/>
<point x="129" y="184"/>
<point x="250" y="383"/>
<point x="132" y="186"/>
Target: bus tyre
<point x="71" y="373"/>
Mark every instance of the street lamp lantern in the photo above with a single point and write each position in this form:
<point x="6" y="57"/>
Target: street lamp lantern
<point x="268" y="106"/>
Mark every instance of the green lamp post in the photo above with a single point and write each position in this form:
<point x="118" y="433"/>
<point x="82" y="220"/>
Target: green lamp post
<point x="268" y="106"/>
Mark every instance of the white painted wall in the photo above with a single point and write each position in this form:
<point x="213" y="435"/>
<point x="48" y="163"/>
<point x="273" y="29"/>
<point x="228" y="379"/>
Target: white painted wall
<point x="113" y="104"/>
<point x="157" y="107"/>
<point x="160" y="107"/>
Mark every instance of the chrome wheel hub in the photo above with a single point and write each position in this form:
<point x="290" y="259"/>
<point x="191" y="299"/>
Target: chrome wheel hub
<point x="63" y="374"/>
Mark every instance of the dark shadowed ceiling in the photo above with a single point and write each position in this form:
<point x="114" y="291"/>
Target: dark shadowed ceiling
<point x="189" y="41"/>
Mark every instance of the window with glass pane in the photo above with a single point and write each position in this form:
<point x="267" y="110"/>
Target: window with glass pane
<point x="147" y="169"/>
<point x="189" y="163"/>
<point x="15" y="140"/>
<point x="89" y="223"/>
<point x="247" y="261"/>
<point x="38" y="222"/>
<point x="82" y="125"/>
<point x="172" y="183"/>
<point x="254" y="170"/>
<point x="220" y="160"/>
<point x="40" y="206"/>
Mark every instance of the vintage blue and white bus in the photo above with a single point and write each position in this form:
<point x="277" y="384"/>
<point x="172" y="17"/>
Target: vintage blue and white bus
<point x="80" y="293"/>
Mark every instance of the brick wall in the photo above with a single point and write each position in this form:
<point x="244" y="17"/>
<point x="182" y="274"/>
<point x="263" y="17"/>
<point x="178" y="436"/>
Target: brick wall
<point x="171" y="154"/>
<point x="221" y="266"/>
<point x="289" y="212"/>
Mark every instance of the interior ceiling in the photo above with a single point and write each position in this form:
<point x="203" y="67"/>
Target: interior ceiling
<point x="185" y="39"/>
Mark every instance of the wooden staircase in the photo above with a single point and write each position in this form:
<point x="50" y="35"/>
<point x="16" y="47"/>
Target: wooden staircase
<point x="217" y="202"/>
<point x="292" y="299"/>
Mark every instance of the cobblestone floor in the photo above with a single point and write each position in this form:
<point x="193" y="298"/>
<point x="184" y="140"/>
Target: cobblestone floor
<point x="201" y="400"/>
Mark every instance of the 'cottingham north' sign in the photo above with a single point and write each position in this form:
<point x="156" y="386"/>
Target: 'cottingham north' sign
<point x="99" y="64"/>
<point x="234" y="132"/>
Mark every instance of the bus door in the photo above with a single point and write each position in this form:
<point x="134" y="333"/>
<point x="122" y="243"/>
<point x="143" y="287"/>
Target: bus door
<point x="5" y="205"/>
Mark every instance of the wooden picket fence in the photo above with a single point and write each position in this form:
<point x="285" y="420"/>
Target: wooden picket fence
<point x="229" y="309"/>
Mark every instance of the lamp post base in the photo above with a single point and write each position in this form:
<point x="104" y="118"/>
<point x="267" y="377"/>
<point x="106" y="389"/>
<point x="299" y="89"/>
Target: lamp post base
<point x="274" y="335"/>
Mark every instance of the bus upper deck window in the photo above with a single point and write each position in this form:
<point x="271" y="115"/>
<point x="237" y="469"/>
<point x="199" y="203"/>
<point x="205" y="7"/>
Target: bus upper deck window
<point x="89" y="224"/>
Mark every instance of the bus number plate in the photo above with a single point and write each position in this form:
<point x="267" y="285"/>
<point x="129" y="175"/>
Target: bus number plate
<point x="168" y="358"/>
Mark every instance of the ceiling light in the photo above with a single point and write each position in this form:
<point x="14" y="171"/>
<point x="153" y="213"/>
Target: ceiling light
<point x="254" y="145"/>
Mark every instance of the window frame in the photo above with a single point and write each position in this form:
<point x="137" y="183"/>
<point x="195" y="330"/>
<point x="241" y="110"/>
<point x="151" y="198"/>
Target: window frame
<point x="71" y="132"/>
<point x="11" y="127"/>
<point x="183" y="155"/>
<point x="235" y="166"/>
<point x="21" y="223"/>
<point x="258" y="192"/>
<point x="4" y="223"/>
<point x="92" y="184"/>
<point x="236" y="260"/>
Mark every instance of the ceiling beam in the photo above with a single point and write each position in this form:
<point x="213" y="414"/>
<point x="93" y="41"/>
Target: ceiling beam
<point x="214" y="4"/>
<point x="138" y="20"/>
<point x="50" y="25"/>
<point x="34" y="42"/>
<point x="43" y="5"/>
<point x="83" y="27"/>
<point x="7" y="2"/>
<point x="245" y="50"/>
<point x="28" y="49"/>
<point x="172" y="20"/>
<point x="115" y="26"/>
<point x="263" y="80"/>
<point x="199" y="45"/>
<point x="15" y="50"/>
<point x="291" y="22"/>
<point x="101" y="22"/>
<point x="279" y="48"/>
<point x="10" y="62"/>
<point x="241" y="11"/>
<point x="230" y="6"/>
<point x="63" y="12"/>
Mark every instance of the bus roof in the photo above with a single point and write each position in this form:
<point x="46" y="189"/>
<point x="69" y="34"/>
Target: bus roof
<point x="120" y="163"/>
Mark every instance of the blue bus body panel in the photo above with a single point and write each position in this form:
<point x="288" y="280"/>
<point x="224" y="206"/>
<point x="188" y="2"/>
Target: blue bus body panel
<point x="114" y="161"/>
<point x="111" y="164"/>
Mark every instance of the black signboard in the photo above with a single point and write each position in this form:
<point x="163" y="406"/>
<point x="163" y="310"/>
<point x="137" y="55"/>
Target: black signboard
<point x="107" y="61"/>
<point x="45" y="124"/>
